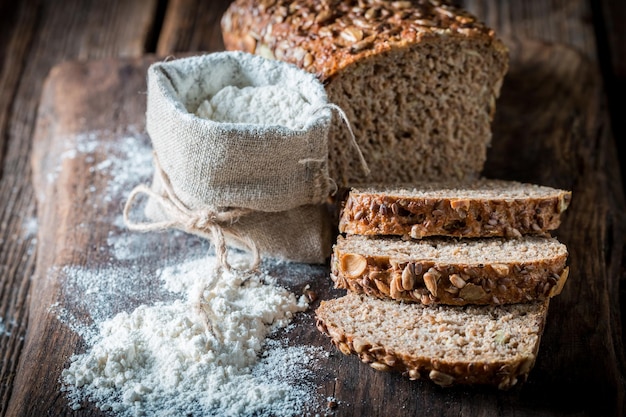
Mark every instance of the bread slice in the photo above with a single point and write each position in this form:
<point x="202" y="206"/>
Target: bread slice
<point x="418" y="80"/>
<point x="479" y="208"/>
<point x="451" y="271"/>
<point x="495" y="345"/>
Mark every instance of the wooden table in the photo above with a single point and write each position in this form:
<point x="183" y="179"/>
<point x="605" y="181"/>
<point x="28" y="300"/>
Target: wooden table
<point x="559" y="110"/>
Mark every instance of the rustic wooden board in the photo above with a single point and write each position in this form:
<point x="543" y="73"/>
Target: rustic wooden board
<point x="548" y="130"/>
<point x="34" y="36"/>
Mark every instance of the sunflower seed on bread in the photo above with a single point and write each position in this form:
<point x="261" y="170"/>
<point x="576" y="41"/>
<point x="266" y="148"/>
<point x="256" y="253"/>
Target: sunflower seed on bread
<point x="481" y="208"/>
<point x="451" y="271"/>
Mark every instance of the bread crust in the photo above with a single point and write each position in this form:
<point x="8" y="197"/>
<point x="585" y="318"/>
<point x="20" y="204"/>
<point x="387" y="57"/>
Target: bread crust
<point x="429" y="281"/>
<point x="380" y="213"/>
<point x="500" y="373"/>
<point x="325" y="37"/>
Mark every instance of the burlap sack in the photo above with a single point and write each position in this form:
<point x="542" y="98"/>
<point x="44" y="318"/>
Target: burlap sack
<point x="302" y="234"/>
<point x="261" y="187"/>
<point x="261" y="167"/>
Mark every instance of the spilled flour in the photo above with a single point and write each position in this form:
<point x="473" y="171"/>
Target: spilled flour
<point x="147" y="350"/>
<point x="3" y="328"/>
<point x="161" y="360"/>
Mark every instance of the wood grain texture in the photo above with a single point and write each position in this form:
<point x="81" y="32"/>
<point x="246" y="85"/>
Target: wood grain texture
<point x="609" y="18"/>
<point x="18" y="242"/>
<point x="192" y="25"/>
<point x="562" y="21"/>
<point x="18" y="24"/>
<point x="567" y="146"/>
<point x="35" y="36"/>
<point x="65" y="113"/>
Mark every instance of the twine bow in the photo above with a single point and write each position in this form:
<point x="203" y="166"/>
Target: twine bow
<point x="208" y="223"/>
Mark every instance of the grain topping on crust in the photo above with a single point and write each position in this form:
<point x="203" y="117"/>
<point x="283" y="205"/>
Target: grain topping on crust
<point x="330" y="35"/>
<point x="482" y="208"/>
<point x="450" y="271"/>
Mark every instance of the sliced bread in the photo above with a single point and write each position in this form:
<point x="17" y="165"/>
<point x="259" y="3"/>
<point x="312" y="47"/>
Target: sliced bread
<point x="451" y="271"/>
<point x="481" y="208"/>
<point x="495" y="345"/>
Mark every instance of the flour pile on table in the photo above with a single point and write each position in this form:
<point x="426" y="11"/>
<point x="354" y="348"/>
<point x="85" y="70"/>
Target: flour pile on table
<point x="161" y="359"/>
<point x="147" y="349"/>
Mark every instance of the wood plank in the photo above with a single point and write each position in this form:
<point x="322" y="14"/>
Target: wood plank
<point x="609" y="17"/>
<point x="15" y="39"/>
<point x="547" y="131"/>
<point x="192" y="25"/>
<point x="16" y="238"/>
<point x="57" y="124"/>
<point x="116" y="28"/>
<point x="561" y="21"/>
<point x="16" y="266"/>
<point x="35" y="36"/>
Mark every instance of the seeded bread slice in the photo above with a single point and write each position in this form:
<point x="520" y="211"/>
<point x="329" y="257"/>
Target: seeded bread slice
<point x="410" y="75"/>
<point x="494" y="345"/>
<point x="480" y="208"/>
<point x="451" y="271"/>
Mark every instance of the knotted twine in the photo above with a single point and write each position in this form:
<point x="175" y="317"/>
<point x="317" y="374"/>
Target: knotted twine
<point x="207" y="222"/>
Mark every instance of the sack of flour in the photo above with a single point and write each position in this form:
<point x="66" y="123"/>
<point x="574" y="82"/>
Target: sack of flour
<point x="241" y="155"/>
<point x="258" y="164"/>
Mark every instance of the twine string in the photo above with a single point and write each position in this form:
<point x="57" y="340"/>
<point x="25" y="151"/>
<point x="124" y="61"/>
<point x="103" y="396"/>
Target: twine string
<point x="344" y="118"/>
<point x="203" y="308"/>
<point x="208" y="223"/>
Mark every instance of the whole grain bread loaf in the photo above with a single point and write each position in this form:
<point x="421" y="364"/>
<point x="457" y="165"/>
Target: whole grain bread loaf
<point x="495" y="345"/>
<point x="480" y="208"/>
<point x="417" y="79"/>
<point x="451" y="271"/>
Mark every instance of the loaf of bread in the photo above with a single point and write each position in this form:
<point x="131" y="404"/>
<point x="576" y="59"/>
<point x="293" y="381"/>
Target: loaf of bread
<point x="495" y="345"/>
<point x="418" y="80"/>
<point x="450" y="271"/>
<point x="481" y="208"/>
